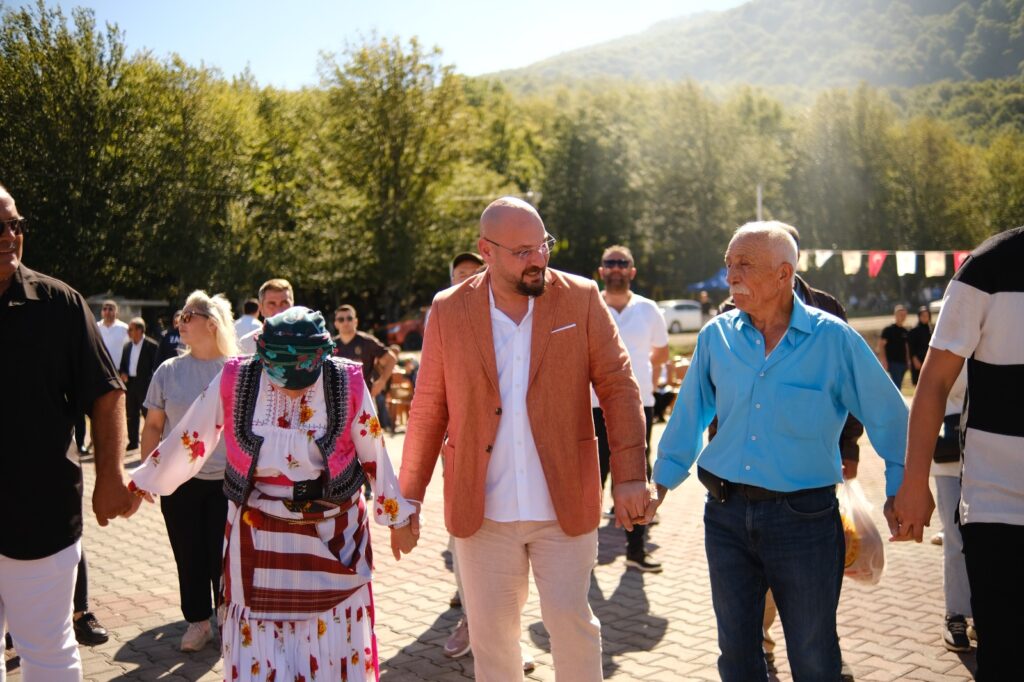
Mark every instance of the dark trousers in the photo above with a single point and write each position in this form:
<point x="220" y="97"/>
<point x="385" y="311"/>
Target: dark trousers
<point x="135" y="396"/>
<point x="195" y="515"/>
<point x="634" y="538"/>
<point x="80" y="431"/>
<point x="81" y="599"/>
<point x="793" y="546"/>
<point x="997" y="595"/>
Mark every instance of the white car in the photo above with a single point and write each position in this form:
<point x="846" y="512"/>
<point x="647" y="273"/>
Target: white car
<point x="682" y="315"/>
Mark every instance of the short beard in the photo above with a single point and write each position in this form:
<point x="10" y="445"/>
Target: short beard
<point x="532" y="289"/>
<point x="616" y="285"/>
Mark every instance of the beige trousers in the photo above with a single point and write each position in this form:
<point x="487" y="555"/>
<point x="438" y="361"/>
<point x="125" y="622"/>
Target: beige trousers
<point x="769" y="618"/>
<point x="494" y="565"/>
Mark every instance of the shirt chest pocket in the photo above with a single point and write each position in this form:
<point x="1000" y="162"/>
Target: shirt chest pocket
<point x="799" y="411"/>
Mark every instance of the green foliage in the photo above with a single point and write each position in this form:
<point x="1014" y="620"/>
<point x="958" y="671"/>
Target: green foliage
<point x="153" y="177"/>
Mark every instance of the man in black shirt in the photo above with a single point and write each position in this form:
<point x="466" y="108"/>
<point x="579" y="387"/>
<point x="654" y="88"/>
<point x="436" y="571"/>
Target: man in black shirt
<point x="893" y="347"/>
<point x="55" y="367"/>
<point x="378" y="362"/>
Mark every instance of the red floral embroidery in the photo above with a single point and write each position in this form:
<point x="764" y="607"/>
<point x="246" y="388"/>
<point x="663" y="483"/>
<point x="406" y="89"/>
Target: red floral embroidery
<point x="196" y="447"/>
<point x="284" y="422"/>
<point x="390" y="507"/>
<point x="364" y="417"/>
<point x="255" y="667"/>
<point x="234" y="672"/>
<point x="292" y="462"/>
<point x="246" y="634"/>
<point x="368" y="659"/>
<point x="305" y="411"/>
<point x="311" y="434"/>
<point x="254" y="518"/>
<point x="321" y="628"/>
<point x="355" y="658"/>
<point x="155" y="457"/>
<point x="300" y="678"/>
<point x="359" y="614"/>
<point x="313" y="667"/>
<point x="370" y="468"/>
<point x="272" y="674"/>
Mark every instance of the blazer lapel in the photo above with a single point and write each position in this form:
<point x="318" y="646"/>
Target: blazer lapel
<point x="478" y="311"/>
<point x="544" y="308"/>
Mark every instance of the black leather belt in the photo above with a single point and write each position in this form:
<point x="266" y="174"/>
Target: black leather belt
<point x="721" y="489"/>
<point x="308" y="490"/>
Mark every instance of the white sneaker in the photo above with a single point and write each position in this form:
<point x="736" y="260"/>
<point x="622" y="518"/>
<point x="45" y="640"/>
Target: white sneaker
<point x="196" y="636"/>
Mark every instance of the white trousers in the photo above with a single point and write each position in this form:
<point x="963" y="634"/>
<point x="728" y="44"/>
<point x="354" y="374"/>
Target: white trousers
<point x="35" y="601"/>
<point x="494" y="564"/>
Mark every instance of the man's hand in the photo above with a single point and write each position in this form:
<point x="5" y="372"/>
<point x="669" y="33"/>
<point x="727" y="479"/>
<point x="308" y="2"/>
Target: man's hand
<point x="404" y="539"/>
<point x="850" y="469"/>
<point x="631" y="501"/>
<point x="910" y="513"/>
<point x="111" y="498"/>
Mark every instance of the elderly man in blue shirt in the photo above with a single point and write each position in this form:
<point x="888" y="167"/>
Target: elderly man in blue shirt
<point x="781" y="377"/>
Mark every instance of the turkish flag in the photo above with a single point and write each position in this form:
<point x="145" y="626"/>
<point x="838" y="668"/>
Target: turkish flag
<point x="958" y="259"/>
<point x="875" y="260"/>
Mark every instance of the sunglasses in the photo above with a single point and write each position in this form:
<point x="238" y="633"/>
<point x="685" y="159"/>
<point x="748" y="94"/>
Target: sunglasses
<point x="344" y="319"/>
<point x="187" y="316"/>
<point x="16" y="225"/>
<point x="616" y="263"/>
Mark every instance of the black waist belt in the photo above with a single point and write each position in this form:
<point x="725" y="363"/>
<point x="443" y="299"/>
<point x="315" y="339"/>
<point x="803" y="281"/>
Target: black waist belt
<point x="721" y="489"/>
<point x="308" y="490"/>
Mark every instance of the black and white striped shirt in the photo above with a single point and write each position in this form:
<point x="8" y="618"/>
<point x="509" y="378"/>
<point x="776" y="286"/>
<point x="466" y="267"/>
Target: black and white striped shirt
<point x="982" y="319"/>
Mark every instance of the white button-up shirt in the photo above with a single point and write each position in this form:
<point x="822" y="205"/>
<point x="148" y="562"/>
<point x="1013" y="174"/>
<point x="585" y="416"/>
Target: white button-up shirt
<point x="114" y="337"/>
<point x="642" y="329"/>
<point x="133" y="359"/>
<point x="516" y="489"/>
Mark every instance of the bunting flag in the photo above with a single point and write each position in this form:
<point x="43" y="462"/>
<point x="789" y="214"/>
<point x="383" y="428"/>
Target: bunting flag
<point x="821" y="257"/>
<point x="934" y="263"/>
<point x="875" y="260"/>
<point x="851" y="262"/>
<point x="802" y="262"/>
<point x="906" y="263"/>
<point x="958" y="259"/>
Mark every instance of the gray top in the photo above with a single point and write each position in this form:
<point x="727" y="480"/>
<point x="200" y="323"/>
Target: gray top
<point x="175" y="385"/>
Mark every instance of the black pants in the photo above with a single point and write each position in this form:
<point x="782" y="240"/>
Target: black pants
<point x="81" y="598"/>
<point x="135" y="396"/>
<point x="997" y="595"/>
<point x="634" y="538"/>
<point x="195" y="515"/>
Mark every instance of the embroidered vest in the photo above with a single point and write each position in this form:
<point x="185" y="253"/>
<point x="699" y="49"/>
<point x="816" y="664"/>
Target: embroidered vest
<point x="239" y="387"/>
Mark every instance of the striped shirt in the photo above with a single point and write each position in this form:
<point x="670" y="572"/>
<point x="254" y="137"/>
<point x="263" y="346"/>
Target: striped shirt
<point x="982" y="319"/>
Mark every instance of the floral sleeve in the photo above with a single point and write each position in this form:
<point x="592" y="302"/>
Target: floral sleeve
<point x="390" y="508"/>
<point x="183" y="453"/>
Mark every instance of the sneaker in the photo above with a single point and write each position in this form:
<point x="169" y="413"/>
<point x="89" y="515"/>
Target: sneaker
<point x="89" y="631"/>
<point x="954" y="634"/>
<point x="456" y="601"/>
<point x="937" y="538"/>
<point x="458" y="642"/>
<point x="196" y="636"/>
<point x="642" y="562"/>
<point x="528" y="663"/>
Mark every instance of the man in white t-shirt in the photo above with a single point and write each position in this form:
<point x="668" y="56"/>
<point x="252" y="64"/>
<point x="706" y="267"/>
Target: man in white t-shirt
<point x="642" y="328"/>
<point x="982" y="323"/>
<point x="113" y="331"/>
<point x="249" y="321"/>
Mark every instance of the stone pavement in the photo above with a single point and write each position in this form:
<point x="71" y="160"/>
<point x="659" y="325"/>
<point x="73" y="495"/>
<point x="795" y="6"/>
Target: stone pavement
<point x="655" y="627"/>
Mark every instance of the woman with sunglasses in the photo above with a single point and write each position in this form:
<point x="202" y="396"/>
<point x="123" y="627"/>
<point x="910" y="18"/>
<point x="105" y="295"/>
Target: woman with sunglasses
<point x="196" y="512"/>
<point x="301" y="438"/>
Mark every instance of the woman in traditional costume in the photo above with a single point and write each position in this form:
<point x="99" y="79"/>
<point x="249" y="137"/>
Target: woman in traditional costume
<point x="301" y="437"/>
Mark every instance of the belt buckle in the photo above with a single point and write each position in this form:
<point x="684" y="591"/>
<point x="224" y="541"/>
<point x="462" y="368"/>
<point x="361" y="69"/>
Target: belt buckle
<point x="301" y="490"/>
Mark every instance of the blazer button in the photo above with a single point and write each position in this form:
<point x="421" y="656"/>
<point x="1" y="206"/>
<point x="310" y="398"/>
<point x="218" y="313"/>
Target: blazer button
<point x="489" y="448"/>
<point x="497" y="411"/>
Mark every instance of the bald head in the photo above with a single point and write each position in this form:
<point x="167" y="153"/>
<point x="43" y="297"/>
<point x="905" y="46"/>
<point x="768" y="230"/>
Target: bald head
<point x="8" y="209"/>
<point x="505" y="212"/>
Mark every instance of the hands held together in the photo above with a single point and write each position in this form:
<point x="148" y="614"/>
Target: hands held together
<point x="636" y="503"/>
<point x="404" y="538"/>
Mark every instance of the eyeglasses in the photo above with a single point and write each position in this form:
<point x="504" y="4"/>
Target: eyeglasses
<point x="187" y="316"/>
<point x="522" y="254"/>
<point x="344" y="319"/>
<point x="616" y="263"/>
<point x="16" y="225"/>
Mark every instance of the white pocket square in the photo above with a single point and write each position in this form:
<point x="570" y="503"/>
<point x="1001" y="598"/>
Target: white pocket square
<point x="562" y="329"/>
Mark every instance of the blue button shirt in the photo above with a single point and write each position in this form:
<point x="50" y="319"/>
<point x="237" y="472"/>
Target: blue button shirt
<point x="779" y="417"/>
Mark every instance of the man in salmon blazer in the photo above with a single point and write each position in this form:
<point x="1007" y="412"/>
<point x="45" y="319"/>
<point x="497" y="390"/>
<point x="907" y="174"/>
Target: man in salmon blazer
<point x="504" y="394"/>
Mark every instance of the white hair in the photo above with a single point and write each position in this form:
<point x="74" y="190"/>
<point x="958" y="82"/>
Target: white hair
<point x="219" y="310"/>
<point x="777" y="236"/>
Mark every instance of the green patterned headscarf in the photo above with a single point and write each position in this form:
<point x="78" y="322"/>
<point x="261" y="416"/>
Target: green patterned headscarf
<point x="293" y="347"/>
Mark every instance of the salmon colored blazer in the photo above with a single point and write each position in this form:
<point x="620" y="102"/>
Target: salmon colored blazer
<point x="457" y="405"/>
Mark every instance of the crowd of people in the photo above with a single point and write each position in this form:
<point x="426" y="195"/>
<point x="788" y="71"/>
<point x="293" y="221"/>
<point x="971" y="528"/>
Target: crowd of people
<point x="264" y="439"/>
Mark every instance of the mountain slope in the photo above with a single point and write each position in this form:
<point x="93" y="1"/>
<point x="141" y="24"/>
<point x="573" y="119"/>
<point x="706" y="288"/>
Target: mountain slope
<point x="810" y="43"/>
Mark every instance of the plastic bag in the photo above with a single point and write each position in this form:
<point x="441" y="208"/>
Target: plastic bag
<point x="865" y="552"/>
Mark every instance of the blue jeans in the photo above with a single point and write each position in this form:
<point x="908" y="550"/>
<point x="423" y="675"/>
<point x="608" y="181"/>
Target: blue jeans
<point x="794" y="546"/>
<point x="896" y="372"/>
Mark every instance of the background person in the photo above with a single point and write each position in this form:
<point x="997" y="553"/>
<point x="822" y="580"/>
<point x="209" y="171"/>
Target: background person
<point x="275" y="296"/>
<point x="917" y="342"/>
<point x="196" y="512"/>
<point x="893" y="347"/>
<point x="138" y="360"/>
<point x="249" y="321"/>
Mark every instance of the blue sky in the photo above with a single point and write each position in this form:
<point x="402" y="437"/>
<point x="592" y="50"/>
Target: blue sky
<point x="281" y="41"/>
